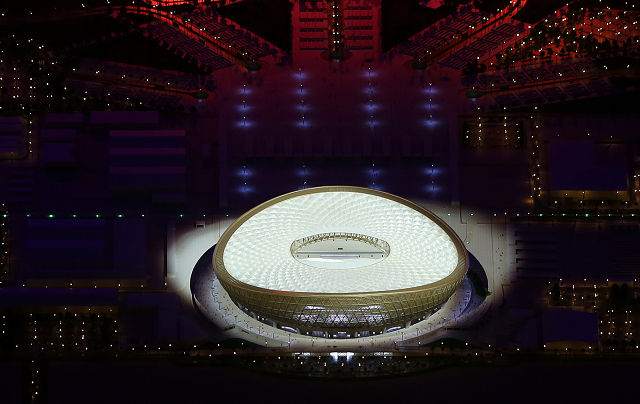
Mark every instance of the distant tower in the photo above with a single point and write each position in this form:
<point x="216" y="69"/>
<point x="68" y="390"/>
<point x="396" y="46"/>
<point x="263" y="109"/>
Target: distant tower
<point x="362" y="26"/>
<point x="336" y="26"/>
<point x="309" y="25"/>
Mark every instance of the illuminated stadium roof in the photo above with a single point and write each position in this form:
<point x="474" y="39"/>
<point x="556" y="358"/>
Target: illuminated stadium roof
<point x="412" y="245"/>
<point x="340" y="258"/>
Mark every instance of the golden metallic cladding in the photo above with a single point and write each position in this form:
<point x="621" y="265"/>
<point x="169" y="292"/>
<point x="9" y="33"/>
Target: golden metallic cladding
<point x="334" y="311"/>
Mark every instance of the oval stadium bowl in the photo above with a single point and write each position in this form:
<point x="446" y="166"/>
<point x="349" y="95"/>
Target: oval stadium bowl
<point x="338" y="258"/>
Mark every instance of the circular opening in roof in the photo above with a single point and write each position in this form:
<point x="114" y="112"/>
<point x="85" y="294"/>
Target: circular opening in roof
<point x="339" y="248"/>
<point x="255" y="251"/>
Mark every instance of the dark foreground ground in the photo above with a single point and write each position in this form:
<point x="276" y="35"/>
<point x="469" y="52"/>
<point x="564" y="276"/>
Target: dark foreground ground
<point x="162" y="382"/>
<point x="10" y="382"/>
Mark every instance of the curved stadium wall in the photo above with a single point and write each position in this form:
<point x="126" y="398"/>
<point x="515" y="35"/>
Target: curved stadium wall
<point x="306" y="310"/>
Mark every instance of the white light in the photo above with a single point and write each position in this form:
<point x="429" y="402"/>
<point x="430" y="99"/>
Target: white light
<point x="420" y="251"/>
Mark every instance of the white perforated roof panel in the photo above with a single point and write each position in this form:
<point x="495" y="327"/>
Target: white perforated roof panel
<point x="258" y="252"/>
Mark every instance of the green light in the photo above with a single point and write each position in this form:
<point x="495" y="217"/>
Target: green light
<point x="97" y="215"/>
<point x="119" y="215"/>
<point x="564" y="214"/>
<point x="586" y="215"/>
<point x="181" y="215"/>
<point x="75" y="215"/>
<point x="609" y="214"/>
<point x="540" y="214"/>
<point x="51" y="216"/>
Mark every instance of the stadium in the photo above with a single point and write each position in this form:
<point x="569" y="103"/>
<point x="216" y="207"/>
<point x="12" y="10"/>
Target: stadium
<point x="340" y="262"/>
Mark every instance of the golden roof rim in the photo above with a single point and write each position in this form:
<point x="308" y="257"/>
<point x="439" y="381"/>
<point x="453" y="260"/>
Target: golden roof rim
<point x="457" y="274"/>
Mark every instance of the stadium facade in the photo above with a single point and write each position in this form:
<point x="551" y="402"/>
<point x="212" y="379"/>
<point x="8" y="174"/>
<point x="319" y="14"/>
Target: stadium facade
<point x="339" y="261"/>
